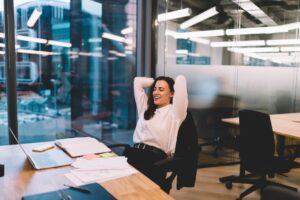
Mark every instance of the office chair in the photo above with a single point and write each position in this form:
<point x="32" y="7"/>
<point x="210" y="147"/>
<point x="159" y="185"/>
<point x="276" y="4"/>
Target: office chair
<point x="256" y="151"/>
<point x="184" y="162"/>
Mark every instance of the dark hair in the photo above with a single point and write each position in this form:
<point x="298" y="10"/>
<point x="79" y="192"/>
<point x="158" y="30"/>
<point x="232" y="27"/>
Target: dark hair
<point x="151" y="106"/>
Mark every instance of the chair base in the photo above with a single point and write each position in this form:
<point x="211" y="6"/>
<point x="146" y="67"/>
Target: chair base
<point x="257" y="183"/>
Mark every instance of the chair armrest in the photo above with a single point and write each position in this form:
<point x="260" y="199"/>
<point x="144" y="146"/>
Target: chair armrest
<point x="169" y="164"/>
<point x="118" y="145"/>
<point x="119" y="149"/>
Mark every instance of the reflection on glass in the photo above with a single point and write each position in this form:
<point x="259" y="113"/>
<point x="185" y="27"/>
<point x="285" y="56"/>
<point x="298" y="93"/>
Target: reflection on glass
<point x="3" y="99"/>
<point x="245" y="56"/>
<point x="71" y="79"/>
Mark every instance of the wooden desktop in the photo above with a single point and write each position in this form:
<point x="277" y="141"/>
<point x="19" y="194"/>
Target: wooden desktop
<point x="21" y="179"/>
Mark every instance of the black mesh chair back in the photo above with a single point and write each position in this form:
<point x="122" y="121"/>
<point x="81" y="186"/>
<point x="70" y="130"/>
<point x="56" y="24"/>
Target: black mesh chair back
<point x="256" y="141"/>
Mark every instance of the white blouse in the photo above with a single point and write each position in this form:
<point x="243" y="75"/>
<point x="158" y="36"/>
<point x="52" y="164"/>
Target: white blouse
<point x="162" y="129"/>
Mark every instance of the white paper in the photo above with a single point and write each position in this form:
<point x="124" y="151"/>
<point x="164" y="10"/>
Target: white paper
<point x="119" y="162"/>
<point x="99" y="170"/>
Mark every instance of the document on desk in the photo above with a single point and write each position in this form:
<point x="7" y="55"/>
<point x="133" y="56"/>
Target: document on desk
<point x="96" y="192"/>
<point x="80" y="146"/>
<point x="99" y="170"/>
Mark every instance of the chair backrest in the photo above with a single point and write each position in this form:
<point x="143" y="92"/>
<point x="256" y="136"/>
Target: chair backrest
<point x="187" y="148"/>
<point x="256" y="140"/>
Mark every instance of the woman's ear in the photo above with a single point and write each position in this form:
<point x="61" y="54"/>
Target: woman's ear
<point x="172" y="94"/>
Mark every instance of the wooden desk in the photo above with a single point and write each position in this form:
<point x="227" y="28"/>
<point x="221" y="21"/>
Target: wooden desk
<point x="280" y="126"/>
<point x="295" y="117"/>
<point x="22" y="179"/>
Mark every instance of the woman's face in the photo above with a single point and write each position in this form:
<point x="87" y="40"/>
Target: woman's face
<point x="162" y="94"/>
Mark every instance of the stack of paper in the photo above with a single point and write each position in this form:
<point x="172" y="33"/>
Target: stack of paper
<point x="99" y="170"/>
<point x="80" y="146"/>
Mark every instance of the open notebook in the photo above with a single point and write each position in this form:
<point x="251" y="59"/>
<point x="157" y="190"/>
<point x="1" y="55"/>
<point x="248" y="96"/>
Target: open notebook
<point x="80" y="146"/>
<point x="49" y="159"/>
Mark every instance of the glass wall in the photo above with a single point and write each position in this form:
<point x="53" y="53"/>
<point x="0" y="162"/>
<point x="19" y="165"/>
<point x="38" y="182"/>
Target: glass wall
<point x="75" y="63"/>
<point x="235" y="54"/>
<point x="3" y="99"/>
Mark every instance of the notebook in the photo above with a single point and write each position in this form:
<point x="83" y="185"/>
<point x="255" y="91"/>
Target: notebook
<point x="97" y="192"/>
<point x="49" y="159"/>
<point x="81" y="146"/>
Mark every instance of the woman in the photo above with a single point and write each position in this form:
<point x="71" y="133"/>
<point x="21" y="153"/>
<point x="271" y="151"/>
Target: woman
<point x="159" y="118"/>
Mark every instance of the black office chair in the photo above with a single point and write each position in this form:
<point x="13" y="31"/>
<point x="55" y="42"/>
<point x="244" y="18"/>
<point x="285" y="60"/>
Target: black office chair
<point x="184" y="162"/>
<point x="256" y="150"/>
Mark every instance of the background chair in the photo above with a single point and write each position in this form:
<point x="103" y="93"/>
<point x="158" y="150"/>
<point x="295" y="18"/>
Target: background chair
<point x="183" y="164"/>
<point x="256" y="150"/>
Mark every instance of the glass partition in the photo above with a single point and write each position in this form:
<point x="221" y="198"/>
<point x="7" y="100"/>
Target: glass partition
<point x="3" y="100"/>
<point x="75" y="65"/>
<point x="235" y="54"/>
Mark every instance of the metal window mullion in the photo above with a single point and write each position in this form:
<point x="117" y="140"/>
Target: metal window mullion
<point x="10" y="60"/>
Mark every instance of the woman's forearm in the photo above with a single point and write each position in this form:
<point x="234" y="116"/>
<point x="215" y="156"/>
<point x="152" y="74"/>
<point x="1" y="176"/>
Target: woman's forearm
<point x="140" y="83"/>
<point x="180" y="99"/>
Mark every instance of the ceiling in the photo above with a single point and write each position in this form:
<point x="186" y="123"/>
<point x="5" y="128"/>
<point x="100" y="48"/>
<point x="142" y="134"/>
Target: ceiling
<point x="280" y="11"/>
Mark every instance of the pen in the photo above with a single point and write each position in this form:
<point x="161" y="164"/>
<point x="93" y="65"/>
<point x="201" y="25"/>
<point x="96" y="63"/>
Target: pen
<point x="78" y="188"/>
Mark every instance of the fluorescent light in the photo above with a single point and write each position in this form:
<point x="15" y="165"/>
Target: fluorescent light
<point x="58" y="43"/>
<point x="113" y="37"/>
<point x="176" y="35"/>
<point x="31" y="39"/>
<point x="279" y="54"/>
<point x="199" y="18"/>
<point x="283" y="42"/>
<point x="238" y="43"/>
<point x="255" y="11"/>
<point x="34" y="17"/>
<point x="128" y="41"/>
<point x="203" y="33"/>
<point x="200" y="40"/>
<point x="43" y="53"/>
<point x="249" y="50"/>
<point x="194" y="55"/>
<point x="182" y="51"/>
<point x="291" y="26"/>
<point x="117" y="53"/>
<point x="3" y="45"/>
<point x="290" y="48"/>
<point x="92" y="54"/>
<point x="127" y="30"/>
<point x="174" y="14"/>
<point x="258" y="30"/>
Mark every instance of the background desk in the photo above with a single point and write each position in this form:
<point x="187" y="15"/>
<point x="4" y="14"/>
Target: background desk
<point x="284" y="125"/>
<point x="22" y="179"/>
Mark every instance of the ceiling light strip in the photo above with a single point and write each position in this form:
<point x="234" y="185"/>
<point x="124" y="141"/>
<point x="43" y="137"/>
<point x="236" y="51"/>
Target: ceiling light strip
<point x="174" y="14"/>
<point x="199" y="18"/>
<point x="238" y="43"/>
<point x="34" y="17"/>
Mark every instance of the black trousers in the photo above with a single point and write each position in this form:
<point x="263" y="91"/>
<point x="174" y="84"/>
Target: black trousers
<point x="144" y="160"/>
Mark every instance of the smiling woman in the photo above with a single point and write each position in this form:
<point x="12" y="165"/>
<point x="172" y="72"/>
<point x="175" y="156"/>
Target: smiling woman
<point x="160" y="115"/>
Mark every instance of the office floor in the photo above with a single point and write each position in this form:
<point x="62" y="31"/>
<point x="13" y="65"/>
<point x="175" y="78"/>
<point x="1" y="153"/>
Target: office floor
<point x="208" y="186"/>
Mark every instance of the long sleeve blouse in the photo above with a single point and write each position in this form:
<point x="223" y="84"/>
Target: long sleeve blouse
<point x="162" y="129"/>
